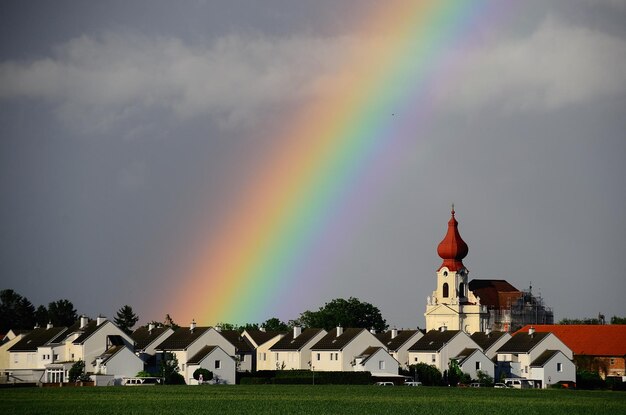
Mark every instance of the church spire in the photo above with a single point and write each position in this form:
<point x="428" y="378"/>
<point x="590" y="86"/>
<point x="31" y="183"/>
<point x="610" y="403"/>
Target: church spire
<point x="452" y="249"/>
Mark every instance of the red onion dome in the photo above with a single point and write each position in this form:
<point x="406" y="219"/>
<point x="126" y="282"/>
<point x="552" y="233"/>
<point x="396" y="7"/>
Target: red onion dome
<point x="453" y="248"/>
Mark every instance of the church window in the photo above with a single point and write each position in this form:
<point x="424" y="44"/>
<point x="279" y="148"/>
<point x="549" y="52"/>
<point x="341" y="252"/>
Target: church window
<point x="445" y="290"/>
<point x="445" y="273"/>
<point x="461" y="290"/>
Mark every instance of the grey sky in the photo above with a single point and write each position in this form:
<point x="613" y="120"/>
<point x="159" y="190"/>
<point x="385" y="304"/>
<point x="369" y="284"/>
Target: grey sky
<point x="126" y="127"/>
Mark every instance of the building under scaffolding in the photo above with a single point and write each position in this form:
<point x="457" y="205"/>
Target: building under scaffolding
<point x="510" y="309"/>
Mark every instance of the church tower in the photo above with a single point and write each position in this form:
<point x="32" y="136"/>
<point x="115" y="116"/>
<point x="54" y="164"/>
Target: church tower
<point x="452" y="306"/>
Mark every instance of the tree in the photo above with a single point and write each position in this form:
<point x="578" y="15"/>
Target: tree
<point x="41" y="316"/>
<point x="427" y="374"/>
<point x="345" y="313"/>
<point x="618" y="320"/>
<point x="274" y="324"/>
<point x="126" y="318"/>
<point x="169" y="370"/>
<point x="168" y="322"/>
<point x="62" y="313"/>
<point x="16" y="312"/>
<point x="77" y="371"/>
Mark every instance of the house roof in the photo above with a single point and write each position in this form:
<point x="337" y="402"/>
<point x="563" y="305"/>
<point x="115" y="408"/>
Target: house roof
<point x="486" y="340"/>
<point x="586" y="339"/>
<point x="398" y="341"/>
<point x="544" y="357"/>
<point x="202" y="353"/>
<point x="91" y="327"/>
<point x="289" y="343"/>
<point x="433" y="341"/>
<point x="333" y="342"/>
<point x="71" y="329"/>
<point x="181" y="338"/>
<point x="109" y="353"/>
<point x="522" y="342"/>
<point x="36" y="338"/>
<point x="464" y="355"/>
<point x="241" y="343"/>
<point x="369" y="352"/>
<point x="494" y="293"/>
<point x="144" y="337"/>
<point x="260" y="336"/>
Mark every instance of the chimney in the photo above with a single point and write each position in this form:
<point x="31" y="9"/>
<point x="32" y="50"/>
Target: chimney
<point x="297" y="330"/>
<point x="36" y="326"/>
<point x="49" y="326"/>
<point x="373" y="330"/>
<point x="192" y="326"/>
<point x="394" y="333"/>
<point x="83" y="321"/>
<point x="262" y="329"/>
<point x="443" y="328"/>
<point x="339" y="331"/>
<point x="150" y="327"/>
<point x="488" y="331"/>
<point x="531" y="331"/>
<point x="100" y="320"/>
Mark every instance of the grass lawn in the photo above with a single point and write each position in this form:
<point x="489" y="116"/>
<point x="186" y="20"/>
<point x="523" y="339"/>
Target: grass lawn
<point x="305" y="399"/>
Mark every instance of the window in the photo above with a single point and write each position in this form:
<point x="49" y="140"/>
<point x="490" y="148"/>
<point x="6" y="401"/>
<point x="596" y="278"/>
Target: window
<point x="445" y="290"/>
<point x="559" y="367"/>
<point x="477" y="365"/>
<point x="612" y="361"/>
<point x="218" y="364"/>
<point x="318" y="356"/>
<point x="276" y="356"/>
<point x="56" y="357"/>
<point x="331" y="356"/>
<point x="416" y="359"/>
<point x="445" y="273"/>
<point x="525" y="369"/>
<point x="381" y="364"/>
<point x="336" y="356"/>
<point x="461" y="290"/>
<point x="433" y="358"/>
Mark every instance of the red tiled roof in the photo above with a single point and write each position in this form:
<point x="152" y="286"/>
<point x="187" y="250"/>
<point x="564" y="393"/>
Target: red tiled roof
<point x="587" y="339"/>
<point x="494" y="293"/>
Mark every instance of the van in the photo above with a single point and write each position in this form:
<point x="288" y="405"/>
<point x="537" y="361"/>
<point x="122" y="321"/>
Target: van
<point x="518" y="384"/>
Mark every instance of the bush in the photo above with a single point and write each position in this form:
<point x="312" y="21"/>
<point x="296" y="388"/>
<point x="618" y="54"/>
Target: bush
<point x="76" y="371"/>
<point x="175" y="379"/>
<point x="143" y="374"/>
<point x="427" y="374"/>
<point x="206" y="374"/>
<point x="589" y="380"/>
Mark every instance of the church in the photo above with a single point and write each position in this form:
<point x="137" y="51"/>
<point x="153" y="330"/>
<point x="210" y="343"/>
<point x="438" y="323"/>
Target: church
<point x="479" y="305"/>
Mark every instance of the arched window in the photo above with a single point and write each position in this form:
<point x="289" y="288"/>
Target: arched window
<point x="461" y="290"/>
<point x="445" y="290"/>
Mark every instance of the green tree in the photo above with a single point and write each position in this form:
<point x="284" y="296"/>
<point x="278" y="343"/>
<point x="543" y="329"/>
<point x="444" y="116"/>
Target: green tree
<point x="77" y="371"/>
<point x="126" y="318"/>
<point x="346" y="313"/>
<point x="427" y="374"/>
<point x="618" y="320"/>
<point x="16" y="312"/>
<point x="274" y="324"/>
<point x="484" y="379"/>
<point x="41" y="316"/>
<point x="169" y="370"/>
<point x="169" y="322"/>
<point x="62" y="313"/>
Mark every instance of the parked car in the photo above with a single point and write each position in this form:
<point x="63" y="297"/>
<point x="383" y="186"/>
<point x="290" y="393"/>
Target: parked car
<point x="500" y="386"/>
<point x="475" y="385"/>
<point x="384" y="383"/>
<point x="411" y="383"/>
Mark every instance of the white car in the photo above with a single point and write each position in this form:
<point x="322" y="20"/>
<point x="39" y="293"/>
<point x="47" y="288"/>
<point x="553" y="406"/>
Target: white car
<point x="500" y="386"/>
<point x="412" y="383"/>
<point x="384" y="383"/>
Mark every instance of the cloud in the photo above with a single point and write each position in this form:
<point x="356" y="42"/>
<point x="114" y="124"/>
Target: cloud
<point x="558" y="65"/>
<point x="98" y="82"/>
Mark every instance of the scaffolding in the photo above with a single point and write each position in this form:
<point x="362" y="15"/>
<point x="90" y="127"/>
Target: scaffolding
<point x="523" y="310"/>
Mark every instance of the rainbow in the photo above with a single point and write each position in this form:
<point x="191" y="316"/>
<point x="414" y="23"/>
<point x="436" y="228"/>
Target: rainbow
<point x="317" y="179"/>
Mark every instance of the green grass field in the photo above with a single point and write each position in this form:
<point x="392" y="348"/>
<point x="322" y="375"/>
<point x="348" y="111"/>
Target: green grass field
<point x="292" y="399"/>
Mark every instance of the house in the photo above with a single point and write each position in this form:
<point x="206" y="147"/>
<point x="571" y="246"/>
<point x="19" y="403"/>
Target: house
<point x="338" y="349"/>
<point x="398" y="342"/>
<point x="473" y="360"/>
<point x="524" y="356"/>
<point x="599" y="348"/>
<point x="119" y="361"/>
<point x="490" y="341"/>
<point x="244" y="350"/>
<point x="26" y="364"/>
<point x="184" y="343"/>
<point x="262" y="341"/>
<point x="438" y="347"/>
<point x="8" y="341"/>
<point x="293" y="351"/>
<point x="146" y="339"/>
<point x="216" y="360"/>
<point x="377" y="361"/>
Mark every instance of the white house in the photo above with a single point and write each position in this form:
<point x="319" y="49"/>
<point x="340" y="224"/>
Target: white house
<point x="472" y="361"/>
<point x="437" y="347"/>
<point x="146" y="339"/>
<point x="490" y="341"/>
<point x="26" y="363"/>
<point x="244" y="350"/>
<point x="377" y="361"/>
<point x="119" y="361"/>
<point x="9" y="340"/>
<point x="525" y="351"/>
<point x="293" y="351"/>
<point x="215" y="359"/>
<point x="398" y="342"/>
<point x="262" y="341"/>
<point x="338" y="349"/>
